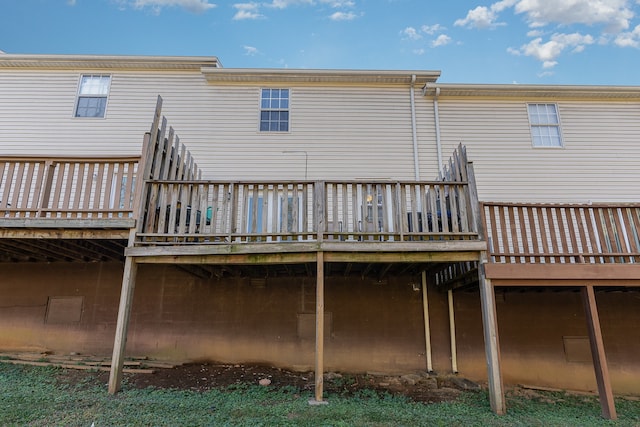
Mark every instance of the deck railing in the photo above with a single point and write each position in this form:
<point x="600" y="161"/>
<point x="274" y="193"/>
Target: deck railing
<point x="209" y="212"/>
<point x="65" y="188"/>
<point x="542" y="233"/>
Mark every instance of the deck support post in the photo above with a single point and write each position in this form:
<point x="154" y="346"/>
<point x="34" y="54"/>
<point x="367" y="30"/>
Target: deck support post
<point x="427" y="327"/>
<point x="319" y="366"/>
<point x="597" y="351"/>
<point x="124" y="311"/>
<point x="491" y="343"/>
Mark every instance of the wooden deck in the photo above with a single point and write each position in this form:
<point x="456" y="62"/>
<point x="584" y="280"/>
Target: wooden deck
<point x="584" y="247"/>
<point x="66" y="209"/>
<point x="563" y="245"/>
<point x="186" y="219"/>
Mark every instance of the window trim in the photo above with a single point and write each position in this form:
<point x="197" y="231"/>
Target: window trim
<point x="557" y="125"/>
<point x="79" y="95"/>
<point x="261" y="110"/>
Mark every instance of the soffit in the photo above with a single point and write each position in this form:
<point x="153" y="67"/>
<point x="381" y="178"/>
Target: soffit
<point x="288" y="76"/>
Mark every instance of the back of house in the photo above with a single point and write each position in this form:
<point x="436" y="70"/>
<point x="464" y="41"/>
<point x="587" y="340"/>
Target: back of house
<point x="554" y="173"/>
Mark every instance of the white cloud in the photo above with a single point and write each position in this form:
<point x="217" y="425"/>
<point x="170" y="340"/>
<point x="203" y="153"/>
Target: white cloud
<point x="195" y="6"/>
<point x="251" y="10"/>
<point x="611" y="17"/>
<point x="441" y="40"/>
<point x="419" y="51"/>
<point x="411" y="33"/>
<point x="547" y="52"/>
<point x="614" y="15"/>
<point x="339" y="3"/>
<point x="484" y="17"/>
<point x="432" y="29"/>
<point x="343" y="16"/>
<point x="283" y="4"/>
<point x="250" y="50"/>
<point x="246" y="11"/>
<point x="629" y="39"/>
<point x="71" y="2"/>
<point x="480" y="17"/>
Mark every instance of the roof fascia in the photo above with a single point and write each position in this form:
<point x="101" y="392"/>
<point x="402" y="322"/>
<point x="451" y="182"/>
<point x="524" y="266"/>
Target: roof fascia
<point x="532" y="91"/>
<point x="107" y="62"/>
<point x="309" y="76"/>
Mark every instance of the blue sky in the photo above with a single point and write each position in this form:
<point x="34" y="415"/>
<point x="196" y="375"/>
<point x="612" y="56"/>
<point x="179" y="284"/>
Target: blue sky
<point x="470" y="41"/>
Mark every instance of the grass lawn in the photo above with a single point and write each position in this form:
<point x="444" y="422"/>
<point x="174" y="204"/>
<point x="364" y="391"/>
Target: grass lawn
<point x="37" y="396"/>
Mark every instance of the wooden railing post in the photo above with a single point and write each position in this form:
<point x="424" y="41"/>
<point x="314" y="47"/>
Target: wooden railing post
<point x="319" y="205"/>
<point x="473" y="203"/>
<point x="47" y="183"/>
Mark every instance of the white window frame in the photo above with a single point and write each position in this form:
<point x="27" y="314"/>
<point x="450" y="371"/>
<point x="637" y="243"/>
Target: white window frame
<point x="545" y="125"/>
<point x="92" y="92"/>
<point x="267" y="109"/>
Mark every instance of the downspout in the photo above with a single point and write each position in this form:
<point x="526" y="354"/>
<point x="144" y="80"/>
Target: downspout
<point x="436" y="115"/>
<point x="427" y="329"/>
<point x="452" y="333"/>
<point x="414" y="131"/>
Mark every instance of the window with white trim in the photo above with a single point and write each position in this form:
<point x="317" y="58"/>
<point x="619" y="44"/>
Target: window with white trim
<point x="545" y="125"/>
<point x="274" y="110"/>
<point x="92" y="95"/>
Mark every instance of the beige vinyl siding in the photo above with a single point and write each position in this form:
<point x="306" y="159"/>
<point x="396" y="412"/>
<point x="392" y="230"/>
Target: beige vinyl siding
<point x="347" y="132"/>
<point x="426" y="133"/>
<point x="598" y="162"/>
<point x="37" y="118"/>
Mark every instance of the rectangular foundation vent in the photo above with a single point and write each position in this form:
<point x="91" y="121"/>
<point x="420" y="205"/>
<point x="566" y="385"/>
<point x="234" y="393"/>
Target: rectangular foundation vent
<point x="577" y="349"/>
<point x="64" y="310"/>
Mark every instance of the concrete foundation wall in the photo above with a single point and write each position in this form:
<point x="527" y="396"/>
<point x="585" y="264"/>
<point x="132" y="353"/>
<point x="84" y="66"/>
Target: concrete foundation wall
<point x="370" y="326"/>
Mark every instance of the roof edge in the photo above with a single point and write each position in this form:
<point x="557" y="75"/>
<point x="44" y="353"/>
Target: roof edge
<point x="279" y="75"/>
<point x="531" y="91"/>
<point x="8" y="60"/>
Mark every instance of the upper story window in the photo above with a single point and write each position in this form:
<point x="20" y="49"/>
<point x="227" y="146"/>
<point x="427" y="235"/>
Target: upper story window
<point x="545" y="125"/>
<point x="274" y="110"/>
<point x="92" y="95"/>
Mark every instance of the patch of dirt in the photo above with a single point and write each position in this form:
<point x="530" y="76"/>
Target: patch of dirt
<point x="420" y="387"/>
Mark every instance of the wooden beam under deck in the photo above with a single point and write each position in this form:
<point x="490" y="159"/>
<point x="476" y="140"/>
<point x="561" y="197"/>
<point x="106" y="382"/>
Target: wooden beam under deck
<point x="303" y="252"/>
<point x="237" y="259"/>
<point x="55" y="233"/>
<point x="563" y="274"/>
<point x="65" y="223"/>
